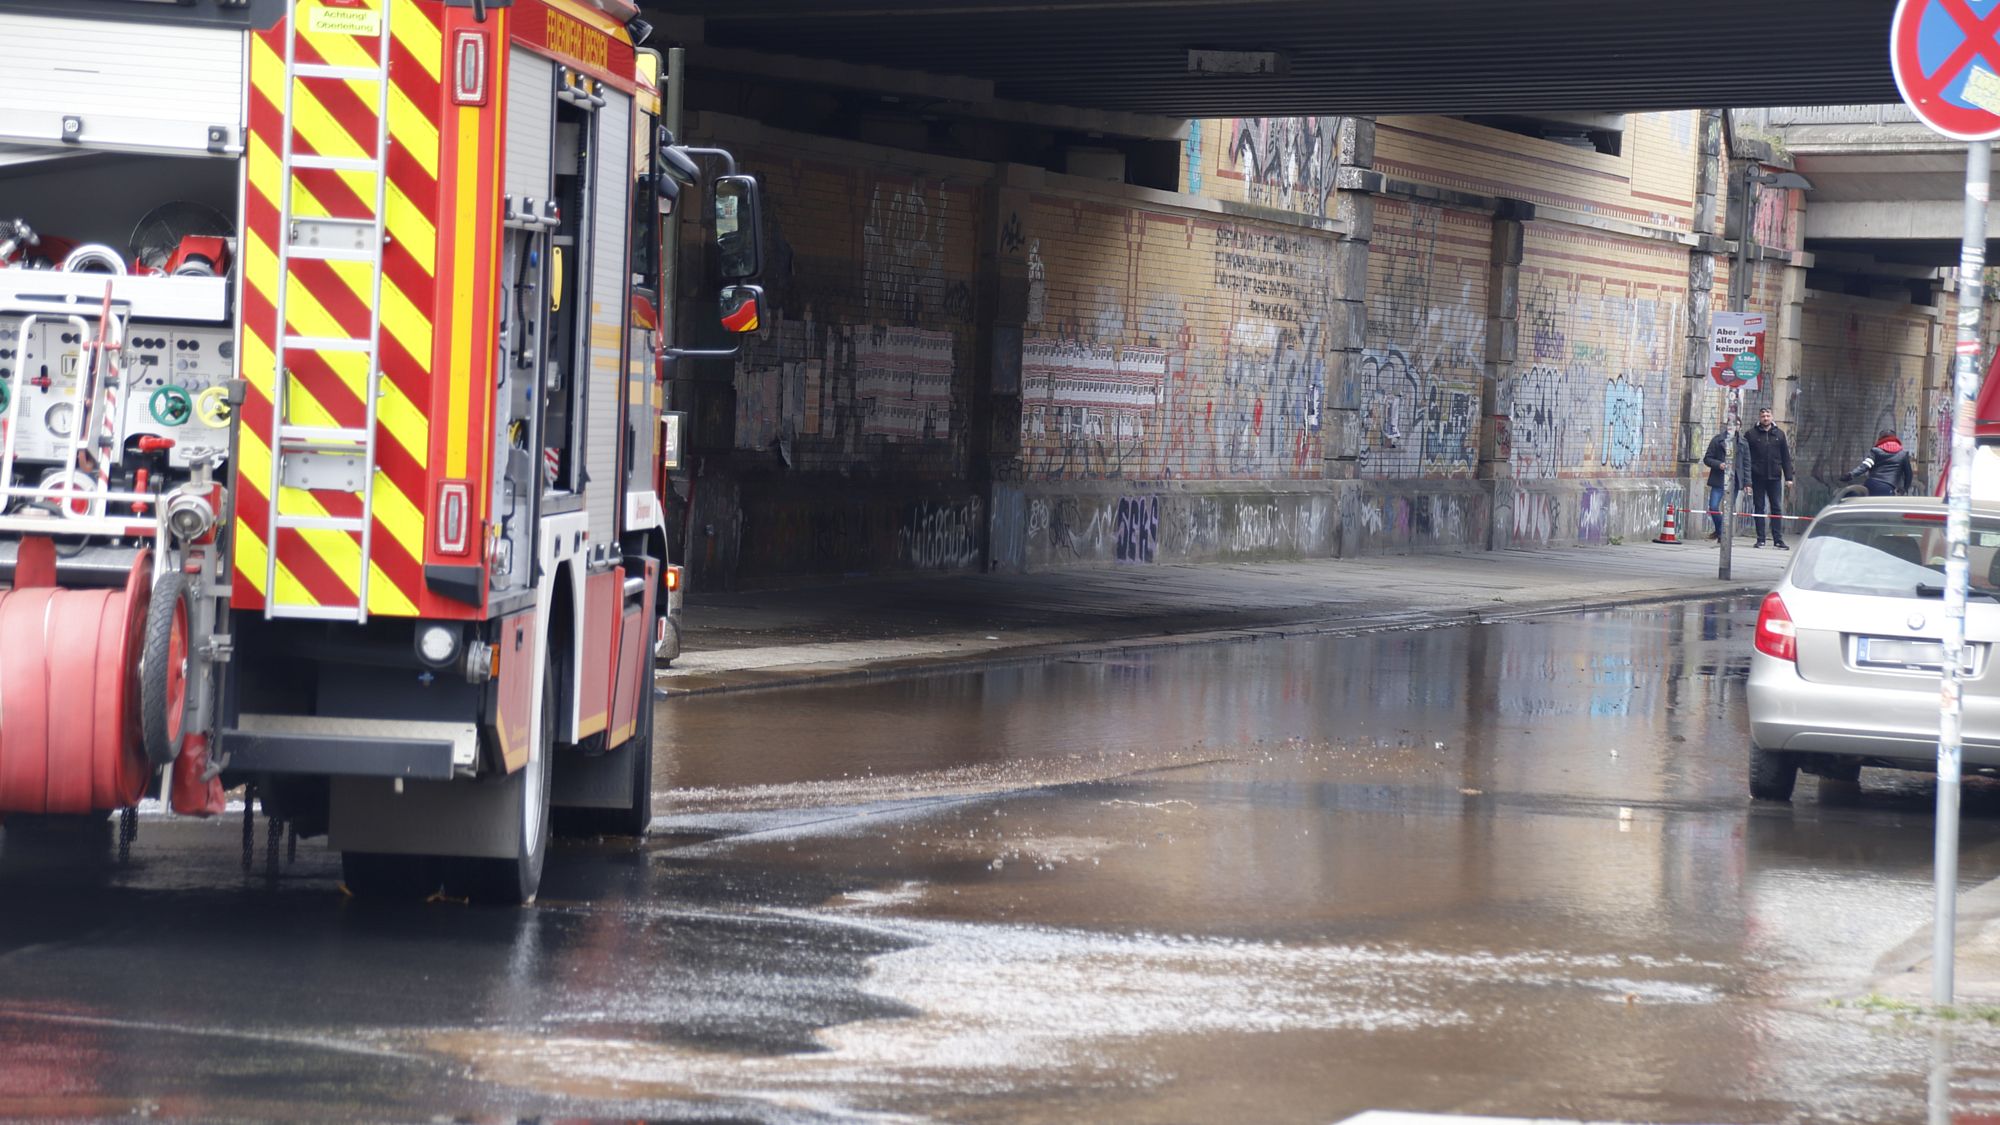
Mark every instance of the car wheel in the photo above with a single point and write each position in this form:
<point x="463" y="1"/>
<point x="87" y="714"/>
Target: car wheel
<point x="1772" y="774"/>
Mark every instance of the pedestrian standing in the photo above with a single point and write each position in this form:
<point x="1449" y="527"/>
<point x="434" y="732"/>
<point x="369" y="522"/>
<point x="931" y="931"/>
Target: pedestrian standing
<point x="1886" y="470"/>
<point x="1717" y="460"/>
<point x="1767" y="457"/>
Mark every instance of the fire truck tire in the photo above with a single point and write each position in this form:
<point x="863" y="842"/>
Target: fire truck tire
<point x="379" y="875"/>
<point x="515" y="882"/>
<point x="163" y="666"/>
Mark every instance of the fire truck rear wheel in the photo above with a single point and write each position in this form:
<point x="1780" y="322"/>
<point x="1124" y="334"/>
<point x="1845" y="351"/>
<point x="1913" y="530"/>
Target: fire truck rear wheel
<point x="514" y="882"/>
<point x="163" y="668"/>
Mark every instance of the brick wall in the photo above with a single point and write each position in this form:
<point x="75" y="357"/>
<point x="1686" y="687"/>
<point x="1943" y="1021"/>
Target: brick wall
<point x="1596" y="391"/>
<point x="1649" y="183"/>
<point x="866" y="362"/>
<point x="1425" y="346"/>
<point x="1170" y="345"/>
<point x="1290" y="163"/>
<point x="972" y="365"/>
<point x="1864" y="372"/>
<point x="839" y="442"/>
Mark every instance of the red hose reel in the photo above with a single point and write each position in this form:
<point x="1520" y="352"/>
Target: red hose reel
<point x="69" y="689"/>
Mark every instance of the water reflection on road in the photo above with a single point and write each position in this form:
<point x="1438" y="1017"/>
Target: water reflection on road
<point x="1504" y="869"/>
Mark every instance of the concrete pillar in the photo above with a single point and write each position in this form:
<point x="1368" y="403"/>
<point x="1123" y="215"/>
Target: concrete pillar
<point x="1354" y="207"/>
<point x="1001" y="312"/>
<point x="1496" y="391"/>
<point x="1938" y="356"/>
<point x="1788" y="346"/>
<point x="1695" y="426"/>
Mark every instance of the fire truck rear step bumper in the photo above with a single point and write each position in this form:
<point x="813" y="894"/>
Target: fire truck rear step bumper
<point x="336" y="747"/>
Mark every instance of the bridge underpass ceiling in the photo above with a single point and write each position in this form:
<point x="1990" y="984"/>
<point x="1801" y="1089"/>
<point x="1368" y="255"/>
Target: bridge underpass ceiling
<point x="1337" y="56"/>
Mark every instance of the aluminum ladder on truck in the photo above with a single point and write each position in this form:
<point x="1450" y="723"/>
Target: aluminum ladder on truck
<point x="327" y="459"/>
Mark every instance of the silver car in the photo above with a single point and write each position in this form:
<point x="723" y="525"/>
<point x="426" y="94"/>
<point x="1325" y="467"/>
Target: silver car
<point x="1849" y="647"/>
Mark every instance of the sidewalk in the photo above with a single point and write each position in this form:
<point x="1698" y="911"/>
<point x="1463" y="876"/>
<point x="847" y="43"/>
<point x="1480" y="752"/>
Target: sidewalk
<point x="771" y="638"/>
<point x="1904" y="973"/>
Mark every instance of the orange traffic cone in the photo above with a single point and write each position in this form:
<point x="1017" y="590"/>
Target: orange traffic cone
<point x="1669" y="532"/>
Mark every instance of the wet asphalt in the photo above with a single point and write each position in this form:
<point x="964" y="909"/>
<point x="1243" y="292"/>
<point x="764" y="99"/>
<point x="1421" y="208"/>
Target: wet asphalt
<point x="1504" y="869"/>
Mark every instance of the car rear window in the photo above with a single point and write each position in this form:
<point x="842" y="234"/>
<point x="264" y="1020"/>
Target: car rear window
<point x="1890" y="554"/>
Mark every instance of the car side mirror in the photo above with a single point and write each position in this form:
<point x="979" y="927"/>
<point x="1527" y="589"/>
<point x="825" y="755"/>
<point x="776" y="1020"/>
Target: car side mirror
<point x="738" y="221"/>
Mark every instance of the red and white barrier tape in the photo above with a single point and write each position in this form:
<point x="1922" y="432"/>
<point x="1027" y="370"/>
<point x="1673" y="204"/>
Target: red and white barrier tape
<point x="1744" y="514"/>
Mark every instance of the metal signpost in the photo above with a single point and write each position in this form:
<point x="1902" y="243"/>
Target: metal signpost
<point x="1947" y="65"/>
<point x="1735" y="361"/>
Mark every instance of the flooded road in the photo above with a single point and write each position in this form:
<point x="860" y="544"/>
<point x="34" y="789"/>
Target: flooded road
<point x="1508" y="869"/>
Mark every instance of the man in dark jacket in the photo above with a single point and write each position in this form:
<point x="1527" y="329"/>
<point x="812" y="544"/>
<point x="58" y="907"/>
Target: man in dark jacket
<point x="1886" y="470"/>
<point x="1717" y="460"/>
<point x="1767" y="464"/>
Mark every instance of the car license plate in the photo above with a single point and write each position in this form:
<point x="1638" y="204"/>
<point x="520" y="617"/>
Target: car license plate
<point x="1892" y="653"/>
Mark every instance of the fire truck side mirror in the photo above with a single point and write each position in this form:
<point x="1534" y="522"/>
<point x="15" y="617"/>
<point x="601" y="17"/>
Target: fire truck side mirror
<point x="743" y="309"/>
<point x="738" y="221"/>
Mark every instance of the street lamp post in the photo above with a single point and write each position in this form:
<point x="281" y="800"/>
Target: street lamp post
<point x="1739" y="299"/>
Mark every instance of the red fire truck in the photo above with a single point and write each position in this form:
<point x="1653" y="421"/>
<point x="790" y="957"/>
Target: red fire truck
<point x="329" y="418"/>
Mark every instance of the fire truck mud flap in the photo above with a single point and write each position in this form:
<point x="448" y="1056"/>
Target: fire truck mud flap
<point x="479" y="819"/>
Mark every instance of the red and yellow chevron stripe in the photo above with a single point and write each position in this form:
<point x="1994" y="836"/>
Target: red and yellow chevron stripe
<point x="430" y="304"/>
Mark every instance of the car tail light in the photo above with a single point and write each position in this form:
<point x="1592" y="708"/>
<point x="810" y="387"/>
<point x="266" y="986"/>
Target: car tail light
<point x="1776" y="635"/>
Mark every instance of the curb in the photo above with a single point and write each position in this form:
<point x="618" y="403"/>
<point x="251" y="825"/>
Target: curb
<point x="1978" y="909"/>
<point x="907" y="667"/>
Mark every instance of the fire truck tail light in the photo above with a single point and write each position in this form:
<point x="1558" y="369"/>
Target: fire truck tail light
<point x="673" y="578"/>
<point x="454" y="497"/>
<point x="469" y="69"/>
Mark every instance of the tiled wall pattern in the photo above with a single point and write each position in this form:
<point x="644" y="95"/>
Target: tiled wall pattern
<point x="1170" y="345"/>
<point x="1596" y="386"/>
<point x="866" y="360"/>
<point x="1419" y="388"/>
<point x="1171" y="356"/>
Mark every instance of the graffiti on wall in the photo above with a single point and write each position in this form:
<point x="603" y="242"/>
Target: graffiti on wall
<point x="867" y="359"/>
<point x="942" y="536"/>
<point x="1594" y="390"/>
<point x="1396" y="521"/>
<point x="1147" y="527"/>
<point x="1624" y="422"/>
<point x="1413" y="424"/>
<point x="1419" y="387"/>
<point x="1167" y="376"/>
<point x="1085" y="409"/>
<point x="903" y="254"/>
<point x="841" y="532"/>
<point x="1273" y="390"/>
<point x="1290" y="163"/>
<point x="1137" y="528"/>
